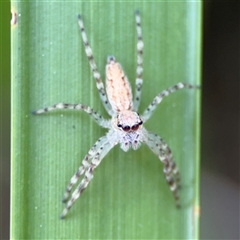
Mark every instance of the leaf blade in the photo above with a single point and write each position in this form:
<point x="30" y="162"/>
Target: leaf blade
<point x="128" y="197"/>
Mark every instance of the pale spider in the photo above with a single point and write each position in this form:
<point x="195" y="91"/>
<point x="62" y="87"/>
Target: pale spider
<point x="126" y="125"/>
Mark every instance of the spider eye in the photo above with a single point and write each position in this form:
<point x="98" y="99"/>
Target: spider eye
<point x="119" y="125"/>
<point x="126" y="128"/>
<point x="140" y="123"/>
<point x="135" y="127"/>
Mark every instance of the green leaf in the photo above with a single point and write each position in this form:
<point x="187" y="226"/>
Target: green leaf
<point x="128" y="197"/>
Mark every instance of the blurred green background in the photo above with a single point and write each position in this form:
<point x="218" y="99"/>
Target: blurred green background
<point x="220" y="121"/>
<point x="5" y="17"/>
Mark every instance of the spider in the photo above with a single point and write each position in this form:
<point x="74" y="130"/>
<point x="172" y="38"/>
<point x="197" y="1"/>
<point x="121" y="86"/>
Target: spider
<point x="125" y="126"/>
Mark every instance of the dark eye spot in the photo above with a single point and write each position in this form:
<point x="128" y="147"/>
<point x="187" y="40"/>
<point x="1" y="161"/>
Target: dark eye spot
<point x="119" y="125"/>
<point x="140" y="123"/>
<point x="126" y="128"/>
<point x="135" y="127"/>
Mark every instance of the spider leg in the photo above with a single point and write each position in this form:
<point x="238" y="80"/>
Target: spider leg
<point x="139" y="80"/>
<point x="152" y="107"/>
<point x="100" y="153"/>
<point x="164" y="153"/>
<point x="84" y="165"/>
<point x="94" y="69"/>
<point x="97" y="117"/>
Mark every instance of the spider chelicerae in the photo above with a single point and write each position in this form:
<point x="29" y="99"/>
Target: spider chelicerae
<point x="126" y="125"/>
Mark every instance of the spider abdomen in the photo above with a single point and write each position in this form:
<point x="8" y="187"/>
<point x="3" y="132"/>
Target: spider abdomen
<point x="118" y="87"/>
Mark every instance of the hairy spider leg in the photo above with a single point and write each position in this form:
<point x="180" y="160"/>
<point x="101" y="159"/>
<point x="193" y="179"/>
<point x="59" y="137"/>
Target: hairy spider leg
<point x="98" y="156"/>
<point x="153" y="105"/>
<point x="139" y="80"/>
<point x="96" y="74"/>
<point x="164" y="153"/>
<point x="96" y="116"/>
<point x="84" y="165"/>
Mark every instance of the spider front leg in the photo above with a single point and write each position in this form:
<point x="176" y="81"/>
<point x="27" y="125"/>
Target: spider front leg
<point x="139" y="81"/>
<point x="85" y="164"/>
<point x="153" y="105"/>
<point x="164" y="153"/>
<point x="97" y="117"/>
<point x="98" y="152"/>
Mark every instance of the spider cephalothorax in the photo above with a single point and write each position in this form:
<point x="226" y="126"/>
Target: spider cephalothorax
<point x="125" y="126"/>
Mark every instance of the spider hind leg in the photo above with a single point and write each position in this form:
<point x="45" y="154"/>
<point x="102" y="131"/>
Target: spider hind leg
<point x="139" y="80"/>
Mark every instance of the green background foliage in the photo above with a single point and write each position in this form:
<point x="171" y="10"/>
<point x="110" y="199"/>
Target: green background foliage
<point x="128" y="197"/>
